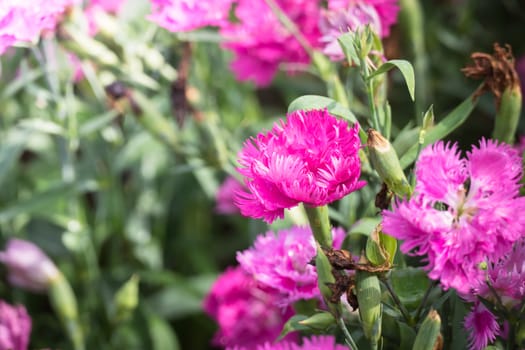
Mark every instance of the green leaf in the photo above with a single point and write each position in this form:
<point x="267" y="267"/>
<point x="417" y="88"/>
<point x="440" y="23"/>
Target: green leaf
<point x="308" y="102"/>
<point x="346" y="41"/>
<point x="365" y="226"/>
<point x="406" y="69"/>
<point x="448" y="124"/>
<point x="11" y="149"/>
<point x="292" y="325"/>
<point x="410" y="285"/>
<point x="319" y="321"/>
<point x="161" y="333"/>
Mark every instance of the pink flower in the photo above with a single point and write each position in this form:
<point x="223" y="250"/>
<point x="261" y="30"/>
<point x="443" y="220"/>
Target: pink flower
<point x="225" y="196"/>
<point x="320" y="342"/>
<point x="465" y="211"/>
<point x="15" y="327"/>
<point x="282" y="261"/>
<point x="261" y="43"/>
<point x="507" y="278"/>
<point x="245" y="311"/>
<point x="483" y="327"/>
<point x="25" y="20"/>
<point x="28" y="266"/>
<point x="187" y="15"/>
<point x="311" y="158"/>
<point x="349" y="15"/>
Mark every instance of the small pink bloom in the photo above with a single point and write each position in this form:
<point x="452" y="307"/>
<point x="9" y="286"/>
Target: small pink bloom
<point x="15" y="327"/>
<point x="464" y="211"/>
<point x="312" y="157"/>
<point x="261" y="43"/>
<point x="349" y="15"/>
<point x="483" y="327"/>
<point x="282" y="261"/>
<point x="28" y="267"/>
<point x="225" y="196"/>
<point x="245" y="311"/>
<point x="320" y="342"/>
<point x="25" y="20"/>
<point x="187" y="15"/>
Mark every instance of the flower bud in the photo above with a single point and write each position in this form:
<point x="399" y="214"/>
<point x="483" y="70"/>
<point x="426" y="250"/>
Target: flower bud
<point x="126" y="299"/>
<point x="370" y="308"/>
<point x="385" y="161"/>
<point x="429" y="336"/>
<point x="15" y="325"/>
<point x="28" y="266"/>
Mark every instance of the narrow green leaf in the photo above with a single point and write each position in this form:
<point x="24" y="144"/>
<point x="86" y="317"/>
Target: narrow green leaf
<point x="319" y="321"/>
<point x="448" y="124"/>
<point x="10" y="150"/>
<point x="406" y="69"/>
<point x="319" y="102"/>
<point x="292" y="325"/>
<point x="161" y="333"/>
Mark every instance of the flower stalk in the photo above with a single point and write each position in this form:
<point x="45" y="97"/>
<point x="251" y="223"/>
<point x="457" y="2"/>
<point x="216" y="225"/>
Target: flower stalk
<point x="320" y="224"/>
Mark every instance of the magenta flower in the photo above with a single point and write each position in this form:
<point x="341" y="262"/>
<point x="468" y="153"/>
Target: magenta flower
<point x="311" y="158"/>
<point x="483" y="327"/>
<point x="225" y="196"/>
<point x="349" y="15"/>
<point x="15" y="327"/>
<point x="25" y="20"/>
<point x="187" y="15"/>
<point x="465" y="211"/>
<point x="321" y="342"/>
<point x="261" y="43"/>
<point x="28" y="267"/>
<point x="245" y="311"/>
<point x="282" y="261"/>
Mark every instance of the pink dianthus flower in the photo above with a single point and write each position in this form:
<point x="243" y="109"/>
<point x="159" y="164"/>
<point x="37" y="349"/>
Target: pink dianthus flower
<point x="25" y="20"/>
<point x="245" y="311"/>
<point x="15" y="327"/>
<point x="465" y="211"/>
<point x="187" y="15"/>
<point x="483" y="327"/>
<point x="282" y="261"/>
<point x="321" y="342"/>
<point x="311" y="158"/>
<point x="261" y="43"/>
<point x="225" y="196"/>
<point x="349" y="15"/>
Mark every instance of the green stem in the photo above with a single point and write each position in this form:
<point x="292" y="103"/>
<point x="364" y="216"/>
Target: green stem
<point x="347" y="334"/>
<point x="424" y="301"/>
<point x="320" y="224"/>
<point x="398" y="302"/>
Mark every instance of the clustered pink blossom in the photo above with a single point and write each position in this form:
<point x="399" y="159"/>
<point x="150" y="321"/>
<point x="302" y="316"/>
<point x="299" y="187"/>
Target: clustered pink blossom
<point x="186" y="15"/>
<point x="349" y="15"/>
<point x="25" y="20"/>
<point x="28" y="266"/>
<point x="312" y="157"/>
<point x="504" y="283"/>
<point x="282" y="261"/>
<point x="245" y="311"/>
<point x="225" y="196"/>
<point x="322" y="342"/>
<point x="465" y="211"/>
<point x="15" y="327"/>
<point x="261" y="44"/>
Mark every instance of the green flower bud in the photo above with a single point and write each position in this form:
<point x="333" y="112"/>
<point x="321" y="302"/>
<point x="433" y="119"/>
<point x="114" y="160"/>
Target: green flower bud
<point x="380" y="247"/>
<point x="385" y="161"/>
<point x="429" y="337"/>
<point x="126" y="299"/>
<point x="370" y="308"/>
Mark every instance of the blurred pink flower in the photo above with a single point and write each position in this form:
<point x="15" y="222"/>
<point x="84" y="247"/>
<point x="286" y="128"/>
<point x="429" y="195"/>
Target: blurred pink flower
<point x="261" y="43"/>
<point x="483" y="327"/>
<point x="25" y="20"/>
<point x="15" y="327"/>
<point x="312" y="157"/>
<point x="349" y="15"/>
<point x="465" y="211"/>
<point x="28" y="267"/>
<point x="245" y="311"/>
<point x="320" y="342"/>
<point x="186" y="15"/>
<point x="225" y="195"/>
<point x="282" y="261"/>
